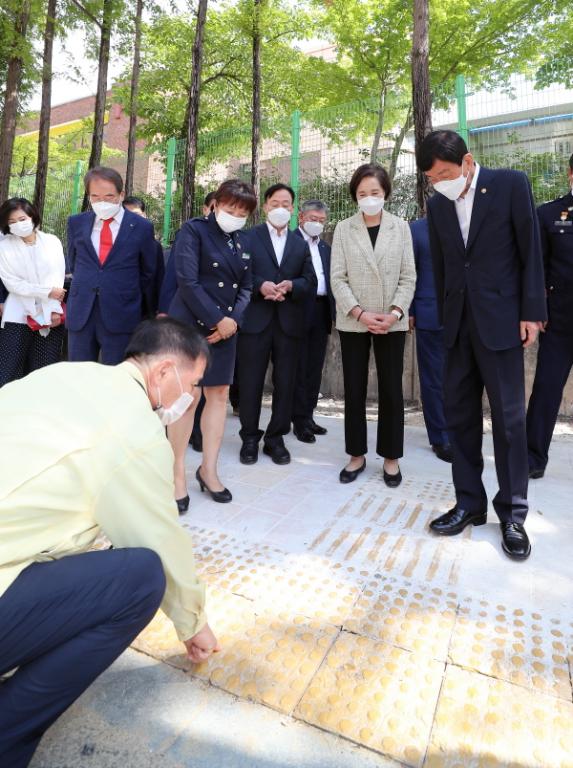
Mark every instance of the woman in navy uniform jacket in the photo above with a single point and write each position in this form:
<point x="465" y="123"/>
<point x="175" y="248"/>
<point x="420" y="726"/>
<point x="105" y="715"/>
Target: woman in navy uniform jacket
<point x="214" y="286"/>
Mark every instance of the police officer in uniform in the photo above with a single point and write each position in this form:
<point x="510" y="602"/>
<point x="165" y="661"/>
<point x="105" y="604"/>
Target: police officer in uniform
<point x="555" y="356"/>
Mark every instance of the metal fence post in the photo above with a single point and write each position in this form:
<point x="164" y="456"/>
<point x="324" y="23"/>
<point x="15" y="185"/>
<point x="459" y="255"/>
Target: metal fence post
<point x="76" y="190"/>
<point x="295" y="163"/>
<point x="461" y="103"/>
<point x="169" y="174"/>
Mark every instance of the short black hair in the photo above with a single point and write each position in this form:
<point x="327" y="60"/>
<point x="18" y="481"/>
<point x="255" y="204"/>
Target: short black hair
<point x="440" y="145"/>
<point x="276" y="188"/>
<point x="209" y="198"/>
<point x="164" y="335"/>
<point x="239" y="192"/>
<point x="17" y="204"/>
<point x="370" y="170"/>
<point x="102" y="172"/>
<point x="137" y="202"/>
<point x="571" y="162"/>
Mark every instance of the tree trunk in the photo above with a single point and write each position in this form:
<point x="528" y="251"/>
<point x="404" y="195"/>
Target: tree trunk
<point x="421" y="96"/>
<point x="398" y="143"/>
<point x="133" y="100"/>
<point x="45" y="110"/>
<point x="256" y="124"/>
<point x="193" y="113"/>
<point x="101" y="92"/>
<point x="9" y="115"/>
<point x="379" y="125"/>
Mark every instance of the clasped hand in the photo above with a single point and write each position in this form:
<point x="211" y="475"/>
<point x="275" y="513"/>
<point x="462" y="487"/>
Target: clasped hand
<point x="224" y="329"/>
<point x="378" y="322"/>
<point x="275" y="291"/>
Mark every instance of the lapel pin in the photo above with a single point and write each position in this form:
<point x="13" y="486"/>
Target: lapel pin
<point x="483" y="190"/>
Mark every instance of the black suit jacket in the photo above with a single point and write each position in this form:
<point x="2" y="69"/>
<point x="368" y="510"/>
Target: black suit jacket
<point x="556" y="226"/>
<point x="324" y="252"/>
<point x="296" y="265"/>
<point x="500" y="270"/>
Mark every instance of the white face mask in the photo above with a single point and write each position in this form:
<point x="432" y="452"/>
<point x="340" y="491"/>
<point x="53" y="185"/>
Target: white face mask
<point x="106" y="210"/>
<point x="170" y="415"/>
<point x="371" y="205"/>
<point x="230" y="223"/>
<point x="313" y="228"/>
<point x="279" y="217"/>
<point x="452" y="188"/>
<point x="22" y="228"/>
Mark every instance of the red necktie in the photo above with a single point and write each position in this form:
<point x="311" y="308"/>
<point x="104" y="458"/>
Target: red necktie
<point x="105" y="240"/>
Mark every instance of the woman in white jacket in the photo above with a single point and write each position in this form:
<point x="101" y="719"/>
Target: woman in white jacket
<point x="32" y="269"/>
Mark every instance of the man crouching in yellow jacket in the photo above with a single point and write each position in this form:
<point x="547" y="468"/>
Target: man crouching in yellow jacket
<point x="83" y="450"/>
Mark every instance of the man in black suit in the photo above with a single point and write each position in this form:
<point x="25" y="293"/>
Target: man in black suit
<point x="484" y="237"/>
<point x="555" y="355"/>
<point x="319" y="315"/>
<point x="273" y="324"/>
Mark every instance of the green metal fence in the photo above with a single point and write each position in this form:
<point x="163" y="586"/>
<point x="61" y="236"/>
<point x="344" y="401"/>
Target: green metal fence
<point x="316" y="152"/>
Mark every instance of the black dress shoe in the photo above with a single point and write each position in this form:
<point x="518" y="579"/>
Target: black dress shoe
<point x="182" y="504"/>
<point x="536" y="474"/>
<point x="316" y="428"/>
<point x="456" y="519"/>
<point x="249" y="453"/>
<point x="392" y="481"/>
<point x="278" y="453"/>
<point x="515" y="542"/>
<point x="350" y="475"/>
<point x="196" y="442"/>
<point x="443" y="452"/>
<point x="223" y="497"/>
<point x="304" y="434"/>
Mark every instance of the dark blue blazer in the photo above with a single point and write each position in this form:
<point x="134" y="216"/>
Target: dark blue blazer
<point x="556" y="226"/>
<point x="500" y="270"/>
<point x="169" y="284"/>
<point x="424" y="307"/>
<point x="296" y="265"/>
<point x="124" y="284"/>
<point x="213" y="282"/>
<point x="324" y="252"/>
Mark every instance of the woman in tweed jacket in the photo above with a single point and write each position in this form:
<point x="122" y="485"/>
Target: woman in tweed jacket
<point x="373" y="277"/>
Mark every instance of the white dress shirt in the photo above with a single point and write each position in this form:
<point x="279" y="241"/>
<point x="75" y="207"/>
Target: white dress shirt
<point x="464" y="207"/>
<point x="278" y="241"/>
<point x="316" y="262"/>
<point x="115" y="224"/>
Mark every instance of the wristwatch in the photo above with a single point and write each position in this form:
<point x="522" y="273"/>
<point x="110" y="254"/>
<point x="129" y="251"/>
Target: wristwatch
<point x="397" y="312"/>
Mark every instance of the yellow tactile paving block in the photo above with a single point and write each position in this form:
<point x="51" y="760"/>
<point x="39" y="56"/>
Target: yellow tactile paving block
<point x="485" y="723"/>
<point x="377" y="695"/>
<point x="272" y="661"/>
<point x="514" y="644"/>
<point x="398" y="612"/>
<point x="229" y="616"/>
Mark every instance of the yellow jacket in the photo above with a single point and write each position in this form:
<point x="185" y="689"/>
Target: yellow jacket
<point x="81" y="449"/>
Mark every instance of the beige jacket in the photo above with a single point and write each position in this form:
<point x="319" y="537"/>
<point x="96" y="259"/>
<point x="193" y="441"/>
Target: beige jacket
<point x="375" y="278"/>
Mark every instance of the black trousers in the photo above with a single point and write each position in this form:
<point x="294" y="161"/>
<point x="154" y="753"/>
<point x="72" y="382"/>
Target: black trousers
<point x="62" y="624"/>
<point x="470" y="367"/>
<point x="431" y="354"/>
<point x="23" y="350"/>
<point x="255" y="352"/>
<point x="311" y="363"/>
<point x="554" y="363"/>
<point x="389" y="357"/>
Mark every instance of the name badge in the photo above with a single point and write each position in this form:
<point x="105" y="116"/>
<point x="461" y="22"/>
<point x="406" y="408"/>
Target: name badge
<point x="246" y="255"/>
<point x="567" y="223"/>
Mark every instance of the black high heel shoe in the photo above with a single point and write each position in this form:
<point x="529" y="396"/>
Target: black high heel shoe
<point x="182" y="504"/>
<point x="223" y="497"/>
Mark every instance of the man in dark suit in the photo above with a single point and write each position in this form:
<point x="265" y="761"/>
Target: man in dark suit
<point x="112" y="257"/>
<point x="484" y="237"/>
<point x="273" y="325"/>
<point x="320" y="311"/>
<point x="137" y="205"/>
<point x="430" y="349"/>
<point x="555" y="355"/>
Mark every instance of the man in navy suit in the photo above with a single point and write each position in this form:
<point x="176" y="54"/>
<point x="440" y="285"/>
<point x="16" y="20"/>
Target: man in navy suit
<point x="320" y="312"/>
<point x="137" y="205"/>
<point x="555" y="355"/>
<point x="484" y="237"/>
<point x="112" y="256"/>
<point x="273" y="325"/>
<point x="430" y="349"/>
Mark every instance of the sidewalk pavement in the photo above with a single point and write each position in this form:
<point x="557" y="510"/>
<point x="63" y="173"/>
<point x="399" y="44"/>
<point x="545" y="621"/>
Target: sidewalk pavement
<point x="351" y="636"/>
